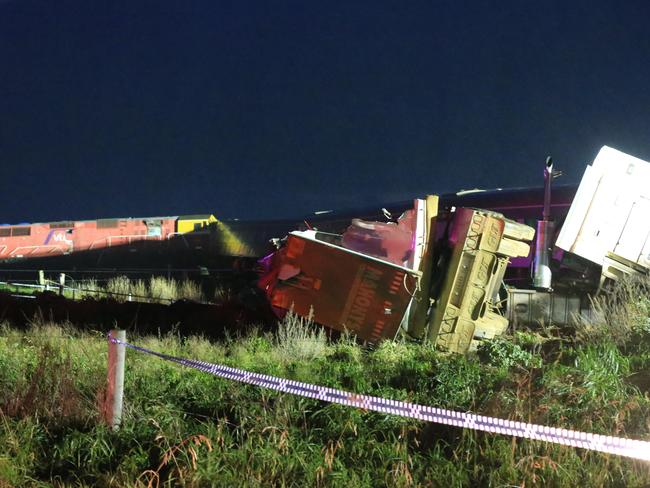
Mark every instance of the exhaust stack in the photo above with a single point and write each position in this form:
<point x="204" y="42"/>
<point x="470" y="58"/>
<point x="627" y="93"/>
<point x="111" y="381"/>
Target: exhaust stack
<point x="542" y="275"/>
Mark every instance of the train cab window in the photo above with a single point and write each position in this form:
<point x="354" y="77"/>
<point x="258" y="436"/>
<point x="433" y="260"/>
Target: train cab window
<point x="198" y="227"/>
<point x="21" y="231"/>
<point x="329" y="238"/>
<point x="5" y="232"/>
<point x="154" y="228"/>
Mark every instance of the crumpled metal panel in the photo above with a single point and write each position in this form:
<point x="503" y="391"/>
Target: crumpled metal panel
<point x="342" y="289"/>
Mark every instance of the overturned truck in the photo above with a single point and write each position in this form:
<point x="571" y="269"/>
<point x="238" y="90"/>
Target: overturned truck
<point x="437" y="275"/>
<point x="432" y="282"/>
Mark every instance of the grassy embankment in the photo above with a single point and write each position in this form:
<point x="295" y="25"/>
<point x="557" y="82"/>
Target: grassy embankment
<point x="184" y="427"/>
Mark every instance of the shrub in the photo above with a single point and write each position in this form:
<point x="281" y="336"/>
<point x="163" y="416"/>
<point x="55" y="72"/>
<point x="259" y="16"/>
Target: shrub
<point x="504" y="354"/>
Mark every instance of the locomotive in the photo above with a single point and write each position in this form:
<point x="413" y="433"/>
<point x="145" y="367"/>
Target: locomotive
<point x="61" y="238"/>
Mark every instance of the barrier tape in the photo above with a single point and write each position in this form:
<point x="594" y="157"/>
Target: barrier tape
<point x="595" y="442"/>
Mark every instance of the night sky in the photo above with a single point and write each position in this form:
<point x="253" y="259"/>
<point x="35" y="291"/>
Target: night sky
<point x="270" y="109"/>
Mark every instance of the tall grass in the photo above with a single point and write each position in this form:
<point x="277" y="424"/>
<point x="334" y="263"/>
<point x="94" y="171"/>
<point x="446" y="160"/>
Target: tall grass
<point x="190" y="290"/>
<point x="90" y="288"/>
<point x="119" y="287"/>
<point x="299" y="338"/>
<point x="156" y="290"/>
<point x="138" y="289"/>
<point x="187" y="428"/>
<point x="621" y="310"/>
<point x="222" y="294"/>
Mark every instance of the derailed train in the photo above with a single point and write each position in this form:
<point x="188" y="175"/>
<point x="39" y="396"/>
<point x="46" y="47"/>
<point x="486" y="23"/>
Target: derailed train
<point x="437" y="276"/>
<point x="605" y="234"/>
<point x="201" y="242"/>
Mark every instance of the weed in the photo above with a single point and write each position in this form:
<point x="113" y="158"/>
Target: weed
<point x="157" y="289"/>
<point x="90" y="288"/>
<point x="504" y="354"/>
<point x="163" y="289"/>
<point x="138" y="291"/>
<point x="119" y="288"/>
<point x="48" y="391"/>
<point x="298" y="338"/>
<point x="189" y="290"/>
<point x="620" y="311"/>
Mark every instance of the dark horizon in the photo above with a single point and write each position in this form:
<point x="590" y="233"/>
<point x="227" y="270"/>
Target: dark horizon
<point x="247" y="110"/>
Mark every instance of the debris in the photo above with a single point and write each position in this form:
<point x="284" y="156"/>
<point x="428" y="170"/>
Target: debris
<point x="608" y="222"/>
<point x="466" y="307"/>
<point x="379" y="277"/>
<point x="347" y="289"/>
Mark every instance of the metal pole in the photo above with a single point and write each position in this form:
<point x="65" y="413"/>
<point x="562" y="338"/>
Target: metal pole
<point x="542" y="275"/>
<point x="548" y="181"/>
<point x="115" y="388"/>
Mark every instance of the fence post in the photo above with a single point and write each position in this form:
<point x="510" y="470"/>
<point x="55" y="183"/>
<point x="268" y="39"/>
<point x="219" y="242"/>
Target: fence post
<point x="115" y="387"/>
<point x="61" y="283"/>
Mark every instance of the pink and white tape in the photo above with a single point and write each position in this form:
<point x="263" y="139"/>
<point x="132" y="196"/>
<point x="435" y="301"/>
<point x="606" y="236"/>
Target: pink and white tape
<point x="614" y="445"/>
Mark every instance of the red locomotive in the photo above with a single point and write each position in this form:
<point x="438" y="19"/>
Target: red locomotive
<point x="60" y="238"/>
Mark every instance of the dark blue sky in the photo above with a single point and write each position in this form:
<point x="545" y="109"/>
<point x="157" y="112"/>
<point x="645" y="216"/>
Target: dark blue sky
<point x="262" y="109"/>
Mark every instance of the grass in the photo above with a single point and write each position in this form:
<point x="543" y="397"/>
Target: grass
<point x="299" y="338"/>
<point x="186" y="428"/>
<point x="156" y="289"/>
<point x="121" y="288"/>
